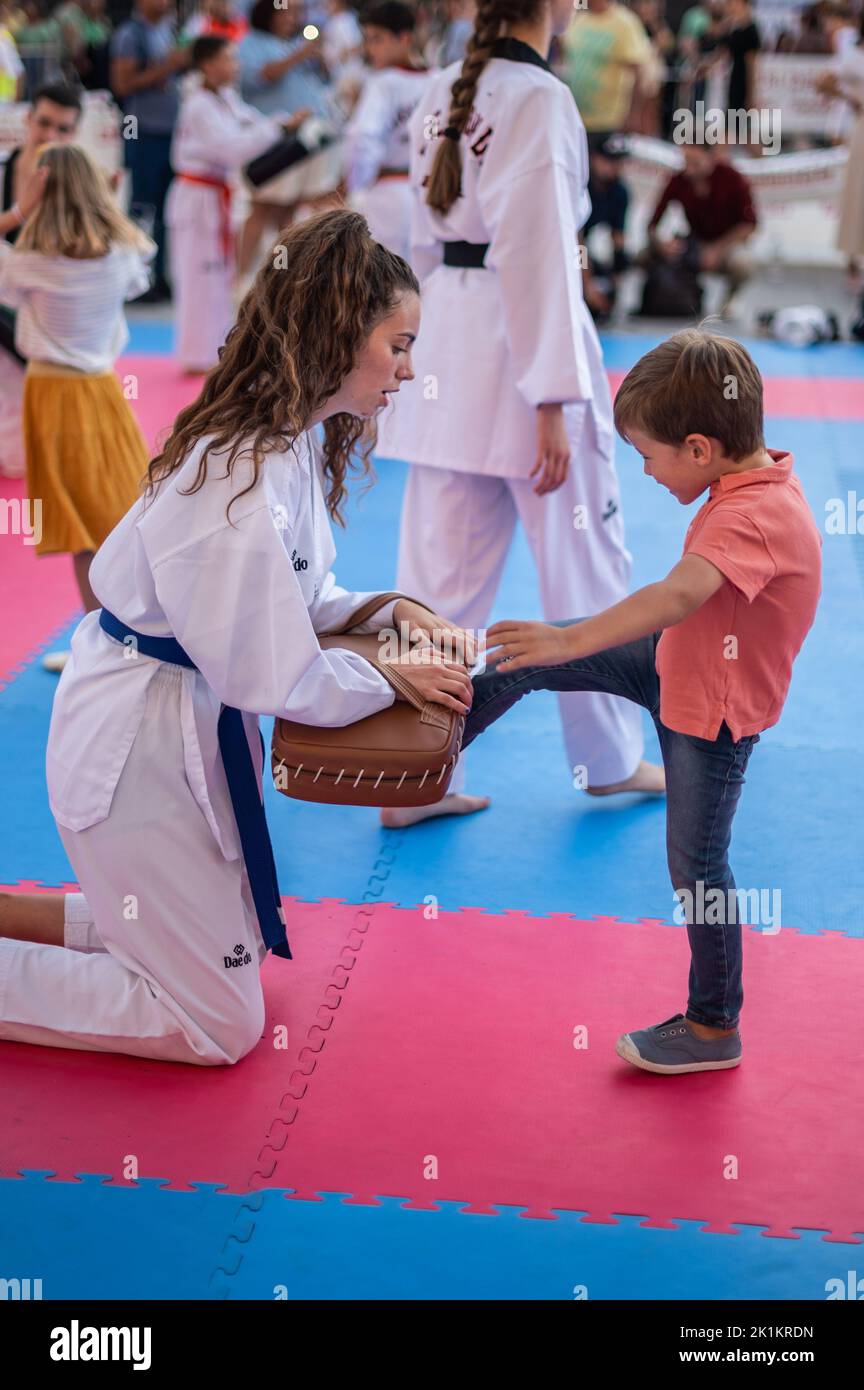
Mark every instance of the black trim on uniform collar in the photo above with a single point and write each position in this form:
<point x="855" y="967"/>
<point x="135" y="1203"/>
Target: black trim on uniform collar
<point x="518" y="52"/>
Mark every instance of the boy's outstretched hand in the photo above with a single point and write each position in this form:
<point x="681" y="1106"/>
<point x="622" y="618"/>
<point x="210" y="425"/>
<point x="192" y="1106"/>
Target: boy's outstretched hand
<point x="528" y="644"/>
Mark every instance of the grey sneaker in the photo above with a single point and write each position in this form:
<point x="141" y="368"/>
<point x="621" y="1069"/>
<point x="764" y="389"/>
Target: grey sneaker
<point x="672" y="1047"/>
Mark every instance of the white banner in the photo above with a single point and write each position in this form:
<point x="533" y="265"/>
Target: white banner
<point x="787" y="82"/>
<point x="776" y="180"/>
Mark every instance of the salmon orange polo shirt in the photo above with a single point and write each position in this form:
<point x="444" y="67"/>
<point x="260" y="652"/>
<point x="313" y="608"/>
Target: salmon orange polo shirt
<point x="732" y="658"/>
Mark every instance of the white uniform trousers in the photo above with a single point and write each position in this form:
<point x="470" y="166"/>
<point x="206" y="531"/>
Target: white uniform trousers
<point x="456" y="532"/>
<point x="144" y="967"/>
<point x="386" y="205"/>
<point x="201" y="275"/>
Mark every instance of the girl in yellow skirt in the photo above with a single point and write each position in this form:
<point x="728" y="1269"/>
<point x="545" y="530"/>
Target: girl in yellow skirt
<point x="76" y="262"/>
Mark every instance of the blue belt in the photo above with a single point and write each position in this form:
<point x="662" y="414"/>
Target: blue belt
<point x="242" y="785"/>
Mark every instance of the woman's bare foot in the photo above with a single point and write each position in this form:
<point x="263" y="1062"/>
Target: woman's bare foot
<point x="647" y="778"/>
<point x="33" y="917"/>
<point x="453" y="804"/>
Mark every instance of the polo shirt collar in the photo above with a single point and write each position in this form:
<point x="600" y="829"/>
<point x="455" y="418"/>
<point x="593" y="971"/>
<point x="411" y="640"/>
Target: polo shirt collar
<point x="777" y="472"/>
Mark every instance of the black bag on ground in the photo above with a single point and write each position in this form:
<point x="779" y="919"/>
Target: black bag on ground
<point x="672" y="289"/>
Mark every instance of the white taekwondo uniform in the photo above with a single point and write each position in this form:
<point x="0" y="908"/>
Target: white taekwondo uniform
<point x="495" y="342"/>
<point x="135" y="778"/>
<point x="377" y="151"/>
<point x="216" y="134"/>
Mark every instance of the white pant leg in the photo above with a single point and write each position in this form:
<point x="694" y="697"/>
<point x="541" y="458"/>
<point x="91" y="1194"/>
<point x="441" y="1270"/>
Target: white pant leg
<point x="169" y="909"/>
<point x="582" y="569"/>
<point x="202" y="278"/>
<point x="456" y="532"/>
<point x="387" y="208"/>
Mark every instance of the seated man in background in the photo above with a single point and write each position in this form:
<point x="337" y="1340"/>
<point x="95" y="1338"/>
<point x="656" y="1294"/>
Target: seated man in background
<point x="718" y="205"/>
<point x="609" y="203"/>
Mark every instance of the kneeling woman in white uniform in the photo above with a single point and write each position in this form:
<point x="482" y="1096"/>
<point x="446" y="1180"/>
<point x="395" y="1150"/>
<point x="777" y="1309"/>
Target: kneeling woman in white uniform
<point x="213" y="588"/>
<point x="511" y="416"/>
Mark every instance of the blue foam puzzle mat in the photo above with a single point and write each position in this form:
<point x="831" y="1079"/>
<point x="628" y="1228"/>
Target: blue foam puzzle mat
<point x="554" y="850"/>
<point x="149" y="337"/>
<point x="77" y="1238"/>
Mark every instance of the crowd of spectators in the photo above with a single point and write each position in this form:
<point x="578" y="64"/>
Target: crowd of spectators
<point x="631" y="68"/>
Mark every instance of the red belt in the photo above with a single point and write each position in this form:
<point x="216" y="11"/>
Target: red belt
<point x="391" y="174"/>
<point x="225" y="234"/>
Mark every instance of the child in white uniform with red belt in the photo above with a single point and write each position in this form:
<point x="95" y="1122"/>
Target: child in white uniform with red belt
<point x="216" y="135"/>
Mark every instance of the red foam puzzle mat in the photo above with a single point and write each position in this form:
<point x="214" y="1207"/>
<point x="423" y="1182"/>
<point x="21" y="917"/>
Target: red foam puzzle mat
<point x="433" y="1058"/>
<point x="39" y="594"/>
<point x="802" y="398"/>
<point x="454" y="1055"/>
<point x="87" y="1112"/>
<point x="157" y="389"/>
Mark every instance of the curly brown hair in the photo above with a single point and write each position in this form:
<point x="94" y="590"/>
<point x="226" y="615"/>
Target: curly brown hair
<point x="445" y="177"/>
<point x="313" y="304"/>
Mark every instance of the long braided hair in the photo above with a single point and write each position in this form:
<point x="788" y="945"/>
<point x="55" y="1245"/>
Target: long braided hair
<point x="445" y="178"/>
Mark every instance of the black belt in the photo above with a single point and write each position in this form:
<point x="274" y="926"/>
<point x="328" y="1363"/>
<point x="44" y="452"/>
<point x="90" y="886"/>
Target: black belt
<point x="470" y="255"/>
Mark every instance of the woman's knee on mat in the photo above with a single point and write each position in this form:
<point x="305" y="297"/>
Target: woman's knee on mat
<point x="240" y="1028"/>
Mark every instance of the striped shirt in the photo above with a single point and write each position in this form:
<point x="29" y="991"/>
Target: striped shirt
<point x="71" y="311"/>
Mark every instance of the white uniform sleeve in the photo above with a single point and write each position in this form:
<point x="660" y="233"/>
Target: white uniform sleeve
<point x="427" y="251"/>
<point x="334" y="606"/>
<point x="366" y="135"/>
<point x="234" y="604"/>
<point x="229" y="136"/>
<point x="532" y="205"/>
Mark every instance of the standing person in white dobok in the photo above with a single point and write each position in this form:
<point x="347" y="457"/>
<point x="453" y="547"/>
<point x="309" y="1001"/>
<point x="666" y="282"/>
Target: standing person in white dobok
<point x="511" y="415"/>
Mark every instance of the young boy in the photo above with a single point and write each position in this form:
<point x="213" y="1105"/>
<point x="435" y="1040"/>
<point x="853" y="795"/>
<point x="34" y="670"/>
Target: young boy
<point x="216" y="134"/>
<point x="377" y="148"/>
<point x="708" y="651"/>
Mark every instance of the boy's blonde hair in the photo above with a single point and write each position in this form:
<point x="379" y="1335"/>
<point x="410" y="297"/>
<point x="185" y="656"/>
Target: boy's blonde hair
<point x="696" y="382"/>
<point x="77" y="215"/>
